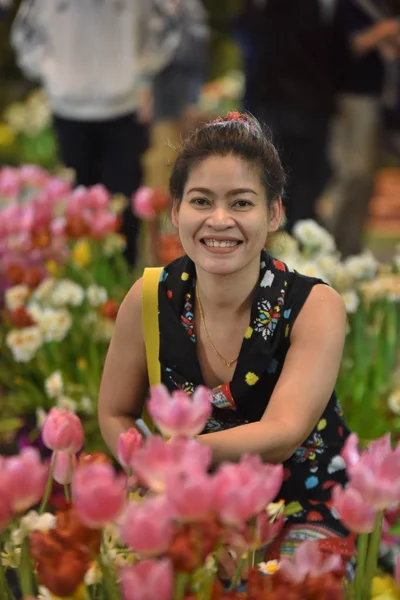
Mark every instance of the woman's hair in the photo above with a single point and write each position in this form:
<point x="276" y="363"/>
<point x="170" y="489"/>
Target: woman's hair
<point x="236" y="134"/>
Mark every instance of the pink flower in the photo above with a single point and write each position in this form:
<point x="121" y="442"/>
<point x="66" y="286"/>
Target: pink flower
<point x="376" y="475"/>
<point x="77" y="202"/>
<point x="354" y="512"/>
<point x="102" y="223"/>
<point x="99" y="494"/>
<point x="191" y="496"/>
<point x="9" y="182"/>
<point x="148" y="580"/>
<point x="128" y="443"/>
<point x="142" y="205"/>
<point x="243" y="490"/>
<point x="98" y="197"/>
<point x="6" y="511"/>
<point x="308" y="560"/>
<point x="391" y="517"/>
<point x="147" y="527"/>
<point x="350" y="451"/>
<point x="57" y="189"/>
<point x="57" y="226"/>
<point x="64" y="467"/>
<point x="265" y="531"/>
<point x="33" y="175"/>
<point x="62" y="430"/>
<point x="180" y="414"/>
<point x="26" y="479"/>
<point x="157" y="459"/>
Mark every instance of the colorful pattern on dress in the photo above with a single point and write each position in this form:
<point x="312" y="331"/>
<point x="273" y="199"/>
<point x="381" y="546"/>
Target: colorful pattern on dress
<point x="187" y="317"/>
<point x="268" y="316"/>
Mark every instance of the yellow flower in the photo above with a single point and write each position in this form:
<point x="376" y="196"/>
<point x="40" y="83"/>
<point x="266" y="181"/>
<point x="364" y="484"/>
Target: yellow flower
<point x="52" y="267"/>
<point x="82" y="364"/>
<point x="251" y="378"/>
<point x="185" y="276"/>
<point x="81" y="254"/>
<point x="384" y="588"/>
<point x="7" y="136"/>
<point x="249" y="333"/>
<point x="80" y="594"/>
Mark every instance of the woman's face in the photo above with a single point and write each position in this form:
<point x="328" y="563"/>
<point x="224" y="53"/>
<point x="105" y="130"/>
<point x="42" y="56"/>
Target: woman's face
<point x="223" y="219"/>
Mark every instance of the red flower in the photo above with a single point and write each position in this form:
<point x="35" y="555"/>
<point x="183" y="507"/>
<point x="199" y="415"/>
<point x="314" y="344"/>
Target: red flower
<point x="20" y="318"/>
<point x="109" y="309"/>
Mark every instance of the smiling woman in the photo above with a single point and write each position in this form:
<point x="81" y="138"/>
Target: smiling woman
<point x="266" y="340"/>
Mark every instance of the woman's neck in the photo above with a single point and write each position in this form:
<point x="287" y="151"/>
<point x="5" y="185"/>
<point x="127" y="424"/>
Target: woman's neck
<point x="233" y="293"/>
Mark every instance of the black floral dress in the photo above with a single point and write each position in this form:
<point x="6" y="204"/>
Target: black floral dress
<point x="316" y="466"/>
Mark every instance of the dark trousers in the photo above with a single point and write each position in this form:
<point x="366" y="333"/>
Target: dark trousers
<point x="302" y="141"/>
<point x="107" y="152"/>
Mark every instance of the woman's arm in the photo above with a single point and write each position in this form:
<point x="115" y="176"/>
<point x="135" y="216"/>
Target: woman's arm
<point x="373" y="37"/>
<point x="303" y="390"/>
<point x="124" y="384"/>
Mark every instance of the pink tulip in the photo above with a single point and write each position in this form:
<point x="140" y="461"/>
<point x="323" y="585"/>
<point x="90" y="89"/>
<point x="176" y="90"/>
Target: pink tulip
<point x="191" y="496"/>
<point x="128" y="443"/>
<point x="33" y="175"/>
<point x="397" y="571"/>
<point x="62" y="430"/>
<point x="148" y="580"/>
<point x="156" y="460"/>
<point x="57" y="189"/>
<point x="308" y="560"/>
<point x="180" y="414"/>
<point x="102" y="223"/>
<point x="350" y="451"/>
<point x="147" y="527"/>
<point x="11" y="216"/>
<point x="354" y="512"/>
<point x="99" y="494"/>
<point x="142" y="204"/>
<point x="26" y="479"/>
<point x="64" y="466"/>
<point x="98" y="197"/>
<point x="6" y="511"/>
<point x="57" y="226"/>
<point x="9" y="182"/>
<point x="243" y="490"/>
<point x="265" y="531"/>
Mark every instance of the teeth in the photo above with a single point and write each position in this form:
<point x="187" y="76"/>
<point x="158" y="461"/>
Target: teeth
<point x="220" y="244"/>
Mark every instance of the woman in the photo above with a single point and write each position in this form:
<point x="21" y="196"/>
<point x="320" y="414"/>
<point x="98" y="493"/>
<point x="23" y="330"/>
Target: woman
<point x="266" y="340"/>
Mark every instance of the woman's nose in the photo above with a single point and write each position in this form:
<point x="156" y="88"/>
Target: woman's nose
<point x="220" y="218"/>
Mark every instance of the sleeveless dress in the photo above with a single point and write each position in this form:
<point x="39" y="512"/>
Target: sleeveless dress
<point x="312" y="471"/>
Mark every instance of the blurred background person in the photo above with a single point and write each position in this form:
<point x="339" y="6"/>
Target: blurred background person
<point x="371" y="84"/>
<point x="85" y="55"/>
<point x="296" y="54"/>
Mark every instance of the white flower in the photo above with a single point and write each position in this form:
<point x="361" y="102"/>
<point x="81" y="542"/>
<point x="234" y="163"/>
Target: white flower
<point x="268" y="279"/>
<point x="32" y="521"/>
<point x="104" y="330"/>
<point x="11" y="555"/>
<point x="114" y="244"/>
<point x="34" y="311"/>
<point x="394" y="402"/>
<point x="41" y="416"/>
<point x="67" y="293"/>
<point x="362" y="266"/>
<point x="24" y="343"/>
<point x="67" y="402"/>
<point x="268" y="568"/>
<point x="86" y="405"/>
<point x="93" y="575"/>
<point x="44" y="593"/>
<point x="310" y="269"/>
<point x="96" y="295"/>
<point x="15" y="296"/>
<point x="54" y="385"/>
<point x="313" y="237"/>
<point x="351" y="300"/>
<point x="43" y="290"/>
<point x="54" y="324"/>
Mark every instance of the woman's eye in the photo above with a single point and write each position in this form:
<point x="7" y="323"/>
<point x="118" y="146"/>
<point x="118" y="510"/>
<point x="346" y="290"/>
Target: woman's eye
<point x="200" y="201"/>
<point x="242" y="204"/>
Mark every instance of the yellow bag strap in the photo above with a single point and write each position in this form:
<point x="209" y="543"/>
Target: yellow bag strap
<point x="151" y="277"/>
<point x="151" y="331"/>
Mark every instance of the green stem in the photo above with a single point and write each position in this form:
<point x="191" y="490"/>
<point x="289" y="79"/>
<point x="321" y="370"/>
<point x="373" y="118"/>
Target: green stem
<point x="49" y="484"/>
<point x="66" y="493"/>
<point x="25" y="570"/>
<point x="362" y="548"/>
<point x="181" y="582"/>
<point x="237" y="576"/>
<point x="372" y="557"/>
<point x="3" y="581"/>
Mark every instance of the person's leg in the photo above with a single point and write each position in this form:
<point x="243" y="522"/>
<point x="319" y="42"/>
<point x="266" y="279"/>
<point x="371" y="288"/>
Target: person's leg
<point x="356" y="165"/>
<point x="122" y="142"/>
<point x="77" y="149"/>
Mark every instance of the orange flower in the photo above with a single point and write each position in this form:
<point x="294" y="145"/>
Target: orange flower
<point x="76" y="227"/>
<point x="95" y="457"/>
<point x="41" y="237"/>
<point x="63" y="554"/>
<point x="32" y="277"/>
<point x="15" y="274"/>
<point x="193" y="543"/>
<point x="160" y="200"/>
<point x="20" y="318"/>
<point x="169" y="248"/>
<point x="109" y="309"/>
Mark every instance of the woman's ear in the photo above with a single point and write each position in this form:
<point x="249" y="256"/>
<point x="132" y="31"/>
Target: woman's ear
<point x="174" y="214"/>
<point x="275" y="215"/>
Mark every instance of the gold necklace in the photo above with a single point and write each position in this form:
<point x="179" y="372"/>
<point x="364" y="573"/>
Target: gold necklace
<point x="227" y="363"/>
